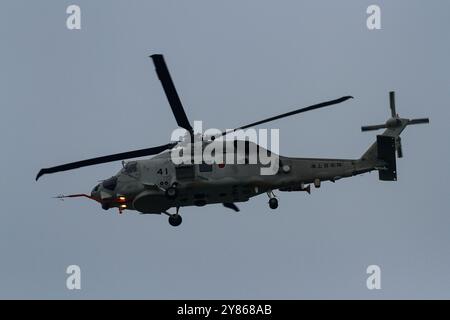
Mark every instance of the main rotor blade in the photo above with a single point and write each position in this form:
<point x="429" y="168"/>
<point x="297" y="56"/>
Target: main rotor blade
<point x="171" y="92"/>
<point x="105" y="159"/>
<point x="288" y="114"/>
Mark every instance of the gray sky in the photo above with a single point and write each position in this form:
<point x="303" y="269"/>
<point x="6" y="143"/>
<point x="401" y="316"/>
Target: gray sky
<point x="69" y="95"/>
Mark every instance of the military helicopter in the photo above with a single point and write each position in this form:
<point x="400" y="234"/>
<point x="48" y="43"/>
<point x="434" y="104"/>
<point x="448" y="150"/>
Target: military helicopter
<point x="155" y="185"/>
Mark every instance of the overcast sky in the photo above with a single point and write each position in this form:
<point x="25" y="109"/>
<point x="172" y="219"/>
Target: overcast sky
<point x="66" y="95"/>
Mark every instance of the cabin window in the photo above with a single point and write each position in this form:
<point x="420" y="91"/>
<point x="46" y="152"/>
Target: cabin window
<point x="185" y="172"/>
<point x="131" y="167"/>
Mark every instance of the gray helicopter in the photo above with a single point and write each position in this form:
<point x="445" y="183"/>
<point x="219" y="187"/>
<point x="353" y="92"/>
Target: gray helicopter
<point x="155" y="185"/>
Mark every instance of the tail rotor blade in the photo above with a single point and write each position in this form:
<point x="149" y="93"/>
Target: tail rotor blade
<point x="399" y="148"/>
<point x="392" y="103"/>
<point x="375" y="127"/>
<point x="419" y="121"/>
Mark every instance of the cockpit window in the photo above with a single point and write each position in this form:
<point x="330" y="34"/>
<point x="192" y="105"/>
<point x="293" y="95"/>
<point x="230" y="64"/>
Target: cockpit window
<point x="130" y="167"/>
<point x="110" y="183"/>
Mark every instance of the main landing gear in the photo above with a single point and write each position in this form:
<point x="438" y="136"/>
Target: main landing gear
<point x="273" y="201"/>
<point x="174" y="218"/>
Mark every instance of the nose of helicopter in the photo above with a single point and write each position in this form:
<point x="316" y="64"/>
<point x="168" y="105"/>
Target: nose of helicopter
<point x="95" y="193"/>
<point x="97" y="196"/>
<point x="107" y="186"/>
<point x="104" y="192"/>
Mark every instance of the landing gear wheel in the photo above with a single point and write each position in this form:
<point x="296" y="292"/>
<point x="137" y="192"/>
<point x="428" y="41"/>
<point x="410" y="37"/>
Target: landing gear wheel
<point x="171" y="193"/>
<point x="175" y="220"/>
<point x="273" y="203"/>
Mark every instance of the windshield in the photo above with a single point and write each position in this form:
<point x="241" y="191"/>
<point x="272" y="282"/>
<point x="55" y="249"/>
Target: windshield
<point x="110" y="183"/>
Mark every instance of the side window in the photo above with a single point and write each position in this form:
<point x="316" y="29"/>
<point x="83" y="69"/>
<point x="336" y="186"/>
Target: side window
<point x="246" y="149"/>
<point x="185" y="172"/>
<point x="131" y="169"/>
<point x="247" y="152"/>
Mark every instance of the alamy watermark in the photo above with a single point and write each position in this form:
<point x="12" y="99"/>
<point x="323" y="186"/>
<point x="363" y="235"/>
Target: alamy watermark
<point x="73" y="281"/>
<point x="373" y="21"/>
<point x="248" y="146"/>
<point x="373" y="282"/>
<point x="73" y="21"/>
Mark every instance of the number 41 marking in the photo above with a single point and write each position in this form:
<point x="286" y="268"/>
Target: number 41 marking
<point x="163" y="171"/>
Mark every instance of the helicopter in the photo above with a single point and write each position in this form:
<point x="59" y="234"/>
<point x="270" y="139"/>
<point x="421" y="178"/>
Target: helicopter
<point x="158" y="184"/>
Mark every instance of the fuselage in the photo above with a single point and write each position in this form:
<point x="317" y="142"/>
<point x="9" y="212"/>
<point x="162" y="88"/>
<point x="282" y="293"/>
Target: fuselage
<point x="141" y="185"/>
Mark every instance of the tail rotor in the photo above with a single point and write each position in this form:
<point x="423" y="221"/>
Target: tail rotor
<point x="389" y="144"/>
<point x="396" y="124"/>
<point x="395" y="121"/>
